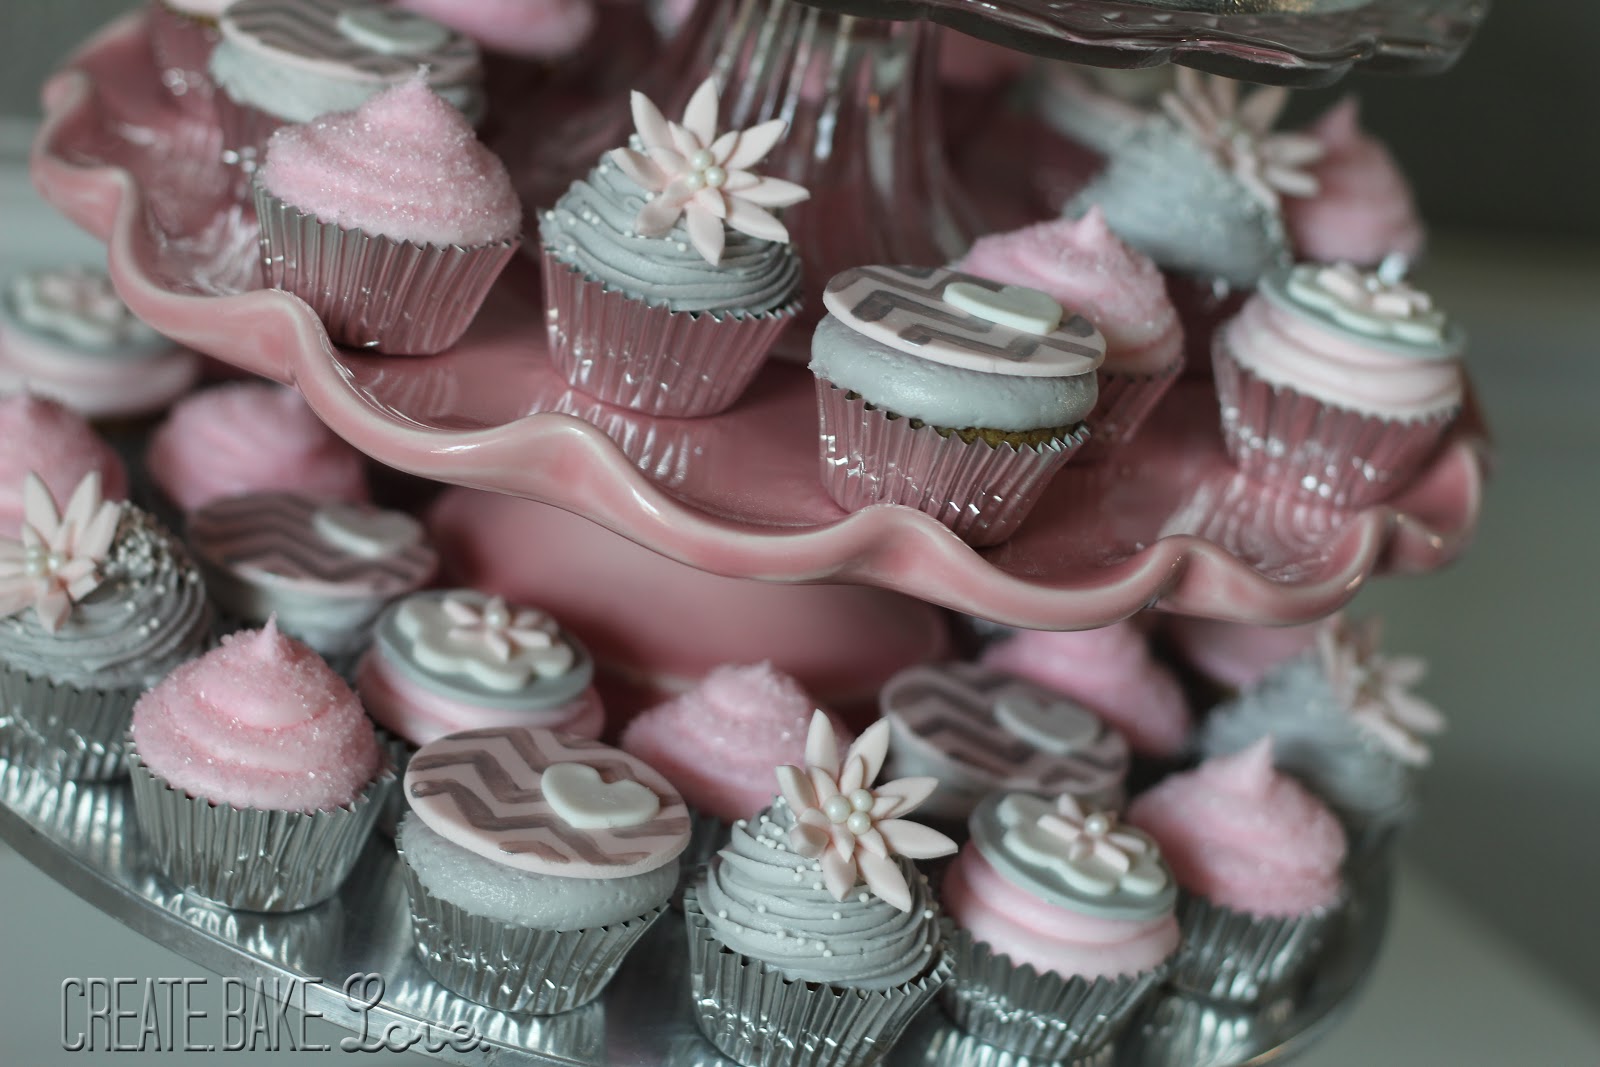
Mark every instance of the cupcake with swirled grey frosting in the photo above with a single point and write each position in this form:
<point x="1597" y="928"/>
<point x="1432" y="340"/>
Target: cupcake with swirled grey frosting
<point x="97" y="603"/>
<point x="666" y="276"/>
<point x="815" y="910"/>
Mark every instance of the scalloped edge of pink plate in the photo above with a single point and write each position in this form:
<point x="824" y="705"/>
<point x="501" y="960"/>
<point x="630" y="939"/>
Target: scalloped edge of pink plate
<point x="581" y="470"/>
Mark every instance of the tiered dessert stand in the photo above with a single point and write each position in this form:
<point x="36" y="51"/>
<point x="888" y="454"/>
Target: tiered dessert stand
<point x="1169" y="525"/>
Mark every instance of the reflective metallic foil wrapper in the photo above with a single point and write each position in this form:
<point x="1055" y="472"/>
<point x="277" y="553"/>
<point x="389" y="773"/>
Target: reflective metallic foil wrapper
<point x="676" y="364"/>
<point x="1125" y="401"/>
<point x="67" y="731"/>
<point x="755" y="1015"/>
<point x="374" y="292"/>
<point x="254" y="860"/>
<point x="512" y="968"/>
<point x="1229" y="955"/>
<point x="1039" y="1016"/>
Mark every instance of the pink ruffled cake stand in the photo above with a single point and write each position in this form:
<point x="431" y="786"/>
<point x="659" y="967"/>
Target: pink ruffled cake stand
<point x="1169" y="524"/>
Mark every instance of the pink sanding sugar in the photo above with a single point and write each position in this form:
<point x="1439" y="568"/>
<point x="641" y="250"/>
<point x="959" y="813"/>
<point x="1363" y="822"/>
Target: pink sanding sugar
<point x="42" y="437"/>
<point x="405" y="165"/>
<point x="260" y="722"/>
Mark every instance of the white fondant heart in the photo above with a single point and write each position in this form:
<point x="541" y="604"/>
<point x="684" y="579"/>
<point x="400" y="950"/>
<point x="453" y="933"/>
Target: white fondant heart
<point x="390" y="32"/>
<point x="1058" y="727"/>
<point x="584" y="802"/>
<point x="1016" y="306"/>
<point x="366" y="532"/>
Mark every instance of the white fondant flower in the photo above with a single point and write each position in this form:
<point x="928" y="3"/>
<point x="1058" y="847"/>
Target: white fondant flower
<point x="1237" y="130"/>
<point x="850" y="826"/>
<point x="1372" y="302"/>
<point x="57" y="561"/>
<point x="499" y="647"/>
<point x="1085" y="849"/>
<point x="704" y="177"/>
<point x="1376" y="689"/>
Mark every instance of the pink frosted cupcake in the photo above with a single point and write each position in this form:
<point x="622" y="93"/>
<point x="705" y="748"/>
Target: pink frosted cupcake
<point x="949" y="393"/>
<point x="537" y="29"/>
<point x="1259" y="860"/>
<point x="1111" y="671"/>
<point x="250" y="437"/>
<point x="44" y="438"/>
<point x="256" y="776"/>
<point x="1363" y="211"/>
<point x="1337" y="382"/>
<point x="1085" y="266"/>
<point x="666" y="278"/>
<point x="443" y="662"/>
<point x="718" y="743"/>
<point x="394" y="259"/>
<point x="1064" y="926"/>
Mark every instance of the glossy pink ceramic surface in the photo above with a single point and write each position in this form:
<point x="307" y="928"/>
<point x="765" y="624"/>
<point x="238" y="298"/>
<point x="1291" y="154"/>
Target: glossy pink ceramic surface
<point x="1171" y="523"/>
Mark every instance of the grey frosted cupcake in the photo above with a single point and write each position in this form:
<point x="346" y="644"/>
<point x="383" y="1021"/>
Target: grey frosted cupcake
<point x="1259" y="861"/>
<point x="949" y="393"/>
<point x="97" y="603"/>
<point x="814" y="911"/>
<point x="667" y="280"/>
<point x="534" y="862"/>
<point x="1344" y="722"/>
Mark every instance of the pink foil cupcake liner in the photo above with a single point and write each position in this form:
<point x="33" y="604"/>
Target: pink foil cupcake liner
<point x="759" y="1018"/>
<point x="1045" y="1017"/>
<point x="982" y="492"/>
<point x="513" y="968"/>
<point x="247" y="858"/>
<point x="1286" y="438"/>
<point x="1125" y="401"/>
<point x="1233" y="956"/>
<point x="370" y="291"/>
<point x="676" y="364"/>
<point x="181" y="46"/>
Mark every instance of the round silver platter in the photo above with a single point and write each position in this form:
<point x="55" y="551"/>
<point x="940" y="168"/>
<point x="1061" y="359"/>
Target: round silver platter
<point x="85" y="837"/>
<point x="1290" y="42"/>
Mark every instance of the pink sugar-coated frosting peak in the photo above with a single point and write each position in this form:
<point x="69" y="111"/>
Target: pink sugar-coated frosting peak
<point x="1111" y="672"/>
<point x="42" y="437"/>
<point x="405" y="165"/>
<point x="250" y="437"/>
<point x="1045" y="936"/>
<point x="1364" y="209"/>
<point x="258" y="722"/>
<point x="541" y="29"/>
<point x="1235" y="654"/>
<point x="1245" y="836"/>
<point x="1089" y="269"/>
<point x="722" y="742"/>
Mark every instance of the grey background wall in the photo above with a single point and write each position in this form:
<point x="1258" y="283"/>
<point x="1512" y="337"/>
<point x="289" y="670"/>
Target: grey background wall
<point x="1510" y="139"/>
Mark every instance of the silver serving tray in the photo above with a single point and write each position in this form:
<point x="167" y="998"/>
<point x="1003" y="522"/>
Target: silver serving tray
<point x="1289" y="42"/>
<point x="85" y="837"/>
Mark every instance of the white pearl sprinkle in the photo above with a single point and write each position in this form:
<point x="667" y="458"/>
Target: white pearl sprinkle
<point x="927" y="913"/>
<point x="838" y="915"/>
<point x="822" y="945"/>
<point x="722" y="913"/>
<point x="761" y="909"/>
<point x="827" y="953"/>
<point x="864" y="897"/>
<point x="816" y="885"/>
<point x="740" y="824"/>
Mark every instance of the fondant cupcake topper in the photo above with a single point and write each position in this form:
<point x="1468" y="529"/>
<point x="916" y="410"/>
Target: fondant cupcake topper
<point x="1237" y="130"/>
<point x="704" y="177"/>
<point x="851" y="827"/>
<point x="1377" y="689"/>
<point x="1085" y="849"/>
<point x="1376" y="303"/>
<point x="80" y="306"/>
<point x="57" y="561"/>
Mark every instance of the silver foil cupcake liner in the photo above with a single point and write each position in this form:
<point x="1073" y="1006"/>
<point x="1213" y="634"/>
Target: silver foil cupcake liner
<point x="181" y="46"/>
<point x="1176" y="1030"/>
<point x="1125" y="401"/>
<point x="67" y="731"/>
<point x="512" y="968"/>
<point x="676" y="364"/>
<point x="1039" y="1016"/>
<point x="396" y="297"/>
<point x="247" y="858"/>
<point x="754" y="1015"/>
<point x="980" y="491"/>
<point x="1239" y="958"/>
<point x="1286" y="438"/>
<point x="934" y="1041"/>
<point x="399" y="752"/>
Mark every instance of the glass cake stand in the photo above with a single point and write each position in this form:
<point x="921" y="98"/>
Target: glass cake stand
<point x="1169" y="524"/>
<point x="86" y="838"/>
